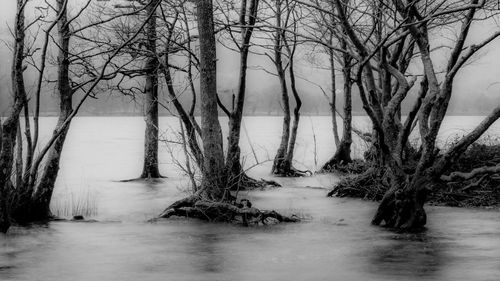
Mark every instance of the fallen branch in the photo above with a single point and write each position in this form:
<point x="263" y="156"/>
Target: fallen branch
<point x="474" y="173"/>
<point x="474" y="184"/>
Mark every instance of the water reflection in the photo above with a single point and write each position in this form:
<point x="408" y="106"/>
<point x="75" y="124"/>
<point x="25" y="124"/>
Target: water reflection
<point x="209" y="258"/>
<point x="416" y="254"/>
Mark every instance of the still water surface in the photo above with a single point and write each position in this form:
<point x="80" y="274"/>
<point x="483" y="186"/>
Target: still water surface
<point x="336" y="242"/>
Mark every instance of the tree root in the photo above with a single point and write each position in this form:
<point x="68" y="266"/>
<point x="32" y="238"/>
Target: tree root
<point x="402" y="210"/>
<point x="293" y="173"/>
<point x="149" y="180"/>
<point x="233" y="212"/>
<point x="245" y="182"/>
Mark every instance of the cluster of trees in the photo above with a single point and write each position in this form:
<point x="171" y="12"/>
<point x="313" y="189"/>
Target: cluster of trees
<point x="383" y="51"/>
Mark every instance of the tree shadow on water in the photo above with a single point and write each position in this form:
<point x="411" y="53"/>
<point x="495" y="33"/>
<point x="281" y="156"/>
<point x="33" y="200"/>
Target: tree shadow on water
<point x="409" y="255"/>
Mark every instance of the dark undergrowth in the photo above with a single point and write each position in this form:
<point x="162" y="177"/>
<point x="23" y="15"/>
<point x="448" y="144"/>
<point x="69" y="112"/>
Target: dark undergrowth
<point x="356" y="166"/>
<point x="480" y="191"/>
<point x="363" y="180"/>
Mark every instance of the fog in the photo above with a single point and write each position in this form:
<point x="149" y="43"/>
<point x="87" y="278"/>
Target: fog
<point x="476" y="86"/>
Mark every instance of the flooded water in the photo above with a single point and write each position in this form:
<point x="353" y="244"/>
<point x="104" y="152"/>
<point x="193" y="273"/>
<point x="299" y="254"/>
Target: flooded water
<point x="335" y="242"/>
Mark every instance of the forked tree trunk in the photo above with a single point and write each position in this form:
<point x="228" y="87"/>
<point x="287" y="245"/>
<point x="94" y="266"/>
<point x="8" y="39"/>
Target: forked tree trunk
<point x="150" y="166"/>
<point x="279" y="160"/>
<point x="34" y="202"/>
<point x="213" y="180"/>
<point x="402" y="206"/>
<point x="10" y="125"/>
<point x="38" y="208"/>
<point x="235" y="174"/>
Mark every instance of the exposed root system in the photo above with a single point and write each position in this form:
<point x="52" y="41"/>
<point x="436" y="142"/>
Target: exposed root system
<point x="240" y="212"/>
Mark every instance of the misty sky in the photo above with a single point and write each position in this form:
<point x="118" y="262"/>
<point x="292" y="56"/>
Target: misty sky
<point x="480" y="79"/>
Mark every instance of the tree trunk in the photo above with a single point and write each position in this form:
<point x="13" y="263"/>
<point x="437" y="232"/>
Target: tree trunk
<point x="235" y="174"/>
<point x="296" y="112"/>
<point x="333" y="103"/>
<point x="150" y="167"/>
<point x="213" y="181"/>
<point x="402" y="206"/>
<point x="279" y="160"/>
<point x="184" y="116"/>
<point x="34" y="203"/>
<point x="39" y="207"/>
<point x="10" y="125"/>
<point x="342" y="155"/>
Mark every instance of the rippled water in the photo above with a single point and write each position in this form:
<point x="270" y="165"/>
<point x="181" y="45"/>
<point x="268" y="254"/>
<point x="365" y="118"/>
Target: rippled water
<point x="336" y="242"/>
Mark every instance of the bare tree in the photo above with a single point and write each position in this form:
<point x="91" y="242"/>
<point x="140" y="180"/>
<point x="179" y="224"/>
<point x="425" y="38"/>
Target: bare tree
<point x="146" y="49"/>
<point x="213" y="201"/>
<point x="213" y="168"/>
<point x="27" y="197"/>
<point x="284" y="46"/>
<point x="245" y="25"/>
<point x="150" y="167"/>
<point x="384" y="43"/>
<point x="342" y="154"/>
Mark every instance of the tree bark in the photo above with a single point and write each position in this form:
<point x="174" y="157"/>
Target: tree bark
<point x="150" y="166"/>
<point x="10" y="125"/>
<point x="235" y="173"/>
<point x="34" y="203"/>
<point x="184" y="116"/>
<point x="402" y="207"/>
<point x="279" y="159"/>
<point x="296" y="112"/>
<point x="342" y="154"/>
<point x="333" y="102"/>
<point x="213" y="180"/>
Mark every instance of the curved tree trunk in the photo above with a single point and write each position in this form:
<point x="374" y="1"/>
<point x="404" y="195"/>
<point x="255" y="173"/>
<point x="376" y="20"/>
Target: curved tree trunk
<point x="342" y="154"/>
<point x="279" y="160"/>
<point x="288" y="163"/>
<point x="37" y="207"/>
<point x="188" y="122"/>
<point x="150" y="166"/>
